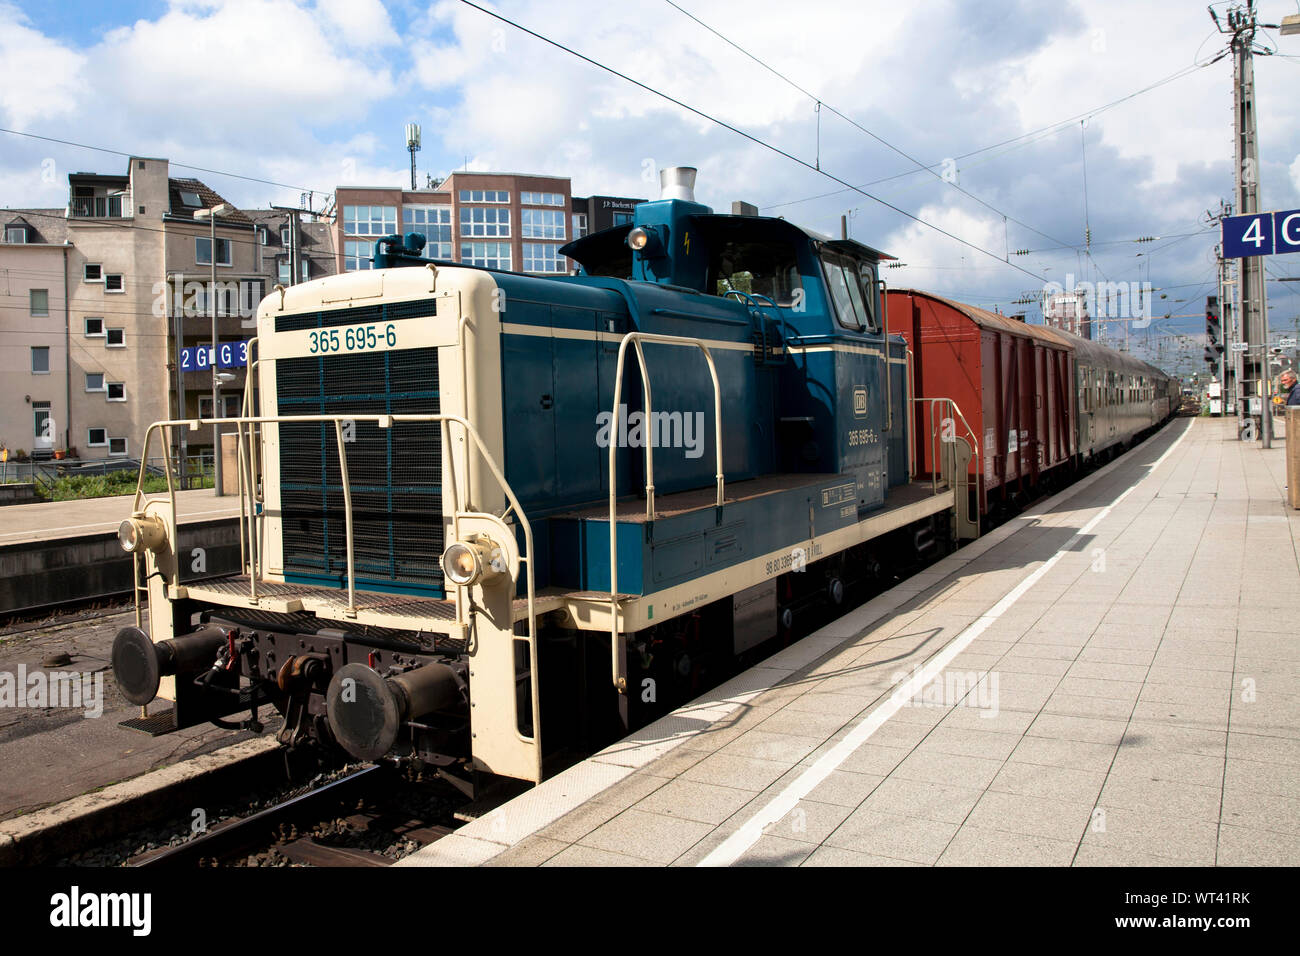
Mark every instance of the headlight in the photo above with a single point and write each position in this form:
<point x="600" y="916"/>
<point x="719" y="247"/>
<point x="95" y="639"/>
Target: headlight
<point x="638" y="238"/>
<point x="141" y="533"/>
<point x="462" y="563"/>
<point x="467" y="562"/>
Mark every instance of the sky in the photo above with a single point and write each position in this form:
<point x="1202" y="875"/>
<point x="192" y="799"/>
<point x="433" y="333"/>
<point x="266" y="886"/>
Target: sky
<point x="308" y="96"/>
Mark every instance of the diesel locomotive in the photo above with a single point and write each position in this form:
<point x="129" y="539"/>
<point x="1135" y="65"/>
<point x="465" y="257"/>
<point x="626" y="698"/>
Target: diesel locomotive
<point x="487" y="516"/>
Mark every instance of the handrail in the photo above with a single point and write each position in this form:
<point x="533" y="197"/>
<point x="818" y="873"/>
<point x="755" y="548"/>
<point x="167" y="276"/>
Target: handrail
<point x="383" y="421"/>
<point x="884" y="337"/>
<point x="911" y="414"/>
<point x="956" y="411"/>
<point x="751" y="300"/>
<point x="636" y="339"/>
<point x="141" y="501"/>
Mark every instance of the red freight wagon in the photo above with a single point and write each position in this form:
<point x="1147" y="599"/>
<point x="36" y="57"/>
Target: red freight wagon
<point x="1014" y="384"/>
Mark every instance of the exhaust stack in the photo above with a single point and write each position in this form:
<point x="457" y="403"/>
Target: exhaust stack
<point x="677" y="182"/>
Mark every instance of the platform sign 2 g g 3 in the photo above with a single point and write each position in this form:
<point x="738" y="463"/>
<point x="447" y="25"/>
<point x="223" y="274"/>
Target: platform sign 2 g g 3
<point x="1261" y="234"/>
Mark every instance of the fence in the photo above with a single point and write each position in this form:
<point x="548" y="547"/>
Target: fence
<point x="196" y="471"/>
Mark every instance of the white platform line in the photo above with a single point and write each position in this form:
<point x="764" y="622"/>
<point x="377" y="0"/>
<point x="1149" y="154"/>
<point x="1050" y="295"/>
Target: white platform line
<point x="751" y="831"/>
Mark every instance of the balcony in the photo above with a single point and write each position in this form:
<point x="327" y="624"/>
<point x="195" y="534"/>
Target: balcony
<point x="96" y="207"/>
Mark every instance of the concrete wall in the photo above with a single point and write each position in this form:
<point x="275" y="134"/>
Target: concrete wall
<point x="38" y="574"/>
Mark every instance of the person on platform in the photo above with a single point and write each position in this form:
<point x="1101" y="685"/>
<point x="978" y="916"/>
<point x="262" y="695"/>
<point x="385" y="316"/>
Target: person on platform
<point x="1290" y="387"/>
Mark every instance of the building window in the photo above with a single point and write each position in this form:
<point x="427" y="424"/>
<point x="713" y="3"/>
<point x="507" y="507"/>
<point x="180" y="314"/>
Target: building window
<point x="40" y="359"/>
<point x="92" y="272"/>
<point x="541" y="223"/>
<point x="362" y="221"/>
<point x="229" y="406"/>
<point x="114" y="283"/>
<point x="543" y="257"/>
<point x="94" y="381"/>
<point x="117" y="391"/>
<point x="489" y="255"/>
<point x="262" y="235"/>
<point x="203" y="251"/>
<point x="579" y="225"/>
<point x="356" y="256"/>
<point x="40" y="301"/>
<point x="485" y="222"/>
<point x="94" y="327"/>
<point x="117" y="446"/>
<point x="432" y="222"/>
<point x="284" y="236"/>
<point x="484" y="195"/>
<point x="115" y="338"/>
<point x="96" y="437"/>
<point x="541" y="199"/>
<point x="190" y="199"/>
<point x="622" y="218"/>
<point x="15" y="233"/>
<point x="304" y="267"/>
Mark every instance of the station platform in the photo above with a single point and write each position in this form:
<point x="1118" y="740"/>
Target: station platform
<point x="58" y="552"/>
<point x="55" y="520"/>
<point x="1111" y="678"/>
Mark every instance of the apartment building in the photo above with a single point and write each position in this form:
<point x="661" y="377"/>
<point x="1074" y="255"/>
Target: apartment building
<point x="34" y="337"/>
<point x="135" y="327"/>
<point x="511" y="221"/>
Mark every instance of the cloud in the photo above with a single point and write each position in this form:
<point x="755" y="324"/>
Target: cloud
<point x="315" y="92"/>
<point x="40" y="78"/>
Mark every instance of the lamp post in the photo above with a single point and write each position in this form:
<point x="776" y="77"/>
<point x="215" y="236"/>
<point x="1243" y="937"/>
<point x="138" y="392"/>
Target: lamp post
<point x="211" y="215"/>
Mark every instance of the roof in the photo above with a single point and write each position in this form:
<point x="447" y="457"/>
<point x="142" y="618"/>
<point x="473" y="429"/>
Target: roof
<point x="44" y="226"/>
<point x="208" y="198"/>
<point x="1060" y="338"/>
<point x="992" y="320"/>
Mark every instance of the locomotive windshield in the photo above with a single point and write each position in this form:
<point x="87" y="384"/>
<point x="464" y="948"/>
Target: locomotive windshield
<point x="853" y="303"/>
<point x="759" y="268"/>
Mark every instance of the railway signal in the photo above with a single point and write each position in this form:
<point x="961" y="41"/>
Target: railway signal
<point x="1213" y="329"/>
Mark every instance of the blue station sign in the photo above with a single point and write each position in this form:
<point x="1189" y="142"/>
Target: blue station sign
<point x="229" y="355"/>
<point x="1261" y="234"/>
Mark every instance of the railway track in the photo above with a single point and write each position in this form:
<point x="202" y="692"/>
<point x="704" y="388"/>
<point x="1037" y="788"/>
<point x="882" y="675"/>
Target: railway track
<point x="370" y="817"/>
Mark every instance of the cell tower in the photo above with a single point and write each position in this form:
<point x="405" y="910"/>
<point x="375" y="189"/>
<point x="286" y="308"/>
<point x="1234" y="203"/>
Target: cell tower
<point x="413" y="146"/>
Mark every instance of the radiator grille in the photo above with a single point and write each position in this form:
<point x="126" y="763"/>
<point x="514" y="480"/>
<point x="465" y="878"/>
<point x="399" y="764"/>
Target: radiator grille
<point x="395" y="473"/>
<point x="388" y="312"/>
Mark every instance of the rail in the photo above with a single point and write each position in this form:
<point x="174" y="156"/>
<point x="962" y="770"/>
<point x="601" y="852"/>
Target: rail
<point x="636" y="339"/>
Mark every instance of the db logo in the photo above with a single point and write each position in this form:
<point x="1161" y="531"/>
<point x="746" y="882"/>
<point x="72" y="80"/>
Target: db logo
<point x="860" y="402"/>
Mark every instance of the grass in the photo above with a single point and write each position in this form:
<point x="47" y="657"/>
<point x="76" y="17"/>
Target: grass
<point x="102" y="486"/>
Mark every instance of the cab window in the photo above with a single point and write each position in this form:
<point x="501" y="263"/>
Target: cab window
<point x="849" y="311"/>
<point x="867" y="275"/>
<point x="769" y="269"/>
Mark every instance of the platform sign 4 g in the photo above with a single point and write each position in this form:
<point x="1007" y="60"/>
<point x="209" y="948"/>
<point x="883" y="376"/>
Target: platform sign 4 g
<point x="1261" y="234"/>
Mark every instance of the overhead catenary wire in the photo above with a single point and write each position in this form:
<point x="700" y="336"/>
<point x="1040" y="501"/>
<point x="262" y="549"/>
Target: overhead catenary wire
<point x="201" y="169"/>
<point x="822" y="104"/>
<point x="1042" y="132"/>
<point x="758" y="141"/>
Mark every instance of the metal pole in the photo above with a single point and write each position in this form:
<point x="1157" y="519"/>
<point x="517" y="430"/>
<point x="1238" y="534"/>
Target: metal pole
<point x="178" y="306"/>
<point x="216" y="382"/>
<point x="1253" y="330"/>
